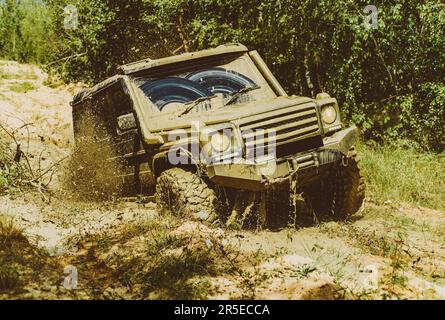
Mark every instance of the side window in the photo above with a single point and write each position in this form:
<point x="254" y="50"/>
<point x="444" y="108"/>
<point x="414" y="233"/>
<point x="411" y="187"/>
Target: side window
<point x="123" y="111"/>
<point x="96" y="123"/>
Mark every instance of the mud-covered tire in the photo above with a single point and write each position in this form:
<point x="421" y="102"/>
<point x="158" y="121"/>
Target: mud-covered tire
<point x="184" y="193"/>
<point x="349" y="188"/>
<point x="341" y="193"/>
<point x="278" y="206"/>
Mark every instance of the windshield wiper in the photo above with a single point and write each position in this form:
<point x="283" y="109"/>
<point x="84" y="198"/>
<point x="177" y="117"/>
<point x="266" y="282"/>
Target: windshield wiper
<point x="195" y="103"/>
<point x="238" y="94"/>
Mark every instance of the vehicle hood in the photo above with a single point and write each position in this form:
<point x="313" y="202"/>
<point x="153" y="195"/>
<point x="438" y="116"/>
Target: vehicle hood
<point x="229" y="114"/>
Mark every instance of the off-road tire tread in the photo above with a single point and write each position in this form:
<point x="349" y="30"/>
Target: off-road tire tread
<point x="339" y="195"/>
<point x="184" y="193"/>
<point x="349" y="188"/>
<point x="278" y="206"/>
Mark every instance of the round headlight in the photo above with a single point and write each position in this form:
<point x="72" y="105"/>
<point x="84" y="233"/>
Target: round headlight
<point x="220" y="142"/>
<point x="328" y="114"/>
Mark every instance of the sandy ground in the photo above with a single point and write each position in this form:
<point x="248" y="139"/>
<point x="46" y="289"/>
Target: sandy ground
<point x="388" y="251"/>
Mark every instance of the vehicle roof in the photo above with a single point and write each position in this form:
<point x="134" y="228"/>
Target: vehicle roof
<point x="149" y="64"/>
<point x="146" y="64"/>
<point x="82" y="95"/>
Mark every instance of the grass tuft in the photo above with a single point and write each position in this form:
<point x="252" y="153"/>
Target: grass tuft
<point x="29" y="75"/>
<point x="22" y="87"/>
<point x="9" y="231"/>
<point x="404" y="175"/>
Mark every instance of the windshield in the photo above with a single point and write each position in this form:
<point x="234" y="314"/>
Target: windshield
<point x="224" y="82"/>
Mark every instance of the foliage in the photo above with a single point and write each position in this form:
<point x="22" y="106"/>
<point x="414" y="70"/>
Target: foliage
<point x="25" y="29"/>
<point x="388" y="80"/>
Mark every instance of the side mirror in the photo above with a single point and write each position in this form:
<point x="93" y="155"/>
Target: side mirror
<point x="126" y="122"/>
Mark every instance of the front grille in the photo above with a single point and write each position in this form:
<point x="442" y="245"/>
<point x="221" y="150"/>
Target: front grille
<point x="286" y="131"/>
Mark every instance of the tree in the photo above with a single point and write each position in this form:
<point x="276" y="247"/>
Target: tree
<point x="384" y="78"/>
<point x="25" y="28"/>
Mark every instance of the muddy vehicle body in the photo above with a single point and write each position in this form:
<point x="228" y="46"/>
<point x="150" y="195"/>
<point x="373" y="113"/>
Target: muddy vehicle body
<point x="213" y="134"/>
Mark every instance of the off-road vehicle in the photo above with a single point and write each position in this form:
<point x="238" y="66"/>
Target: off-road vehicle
<point x="214" y="135"/>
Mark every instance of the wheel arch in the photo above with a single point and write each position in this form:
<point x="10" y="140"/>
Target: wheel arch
<point x="161" y="161"/>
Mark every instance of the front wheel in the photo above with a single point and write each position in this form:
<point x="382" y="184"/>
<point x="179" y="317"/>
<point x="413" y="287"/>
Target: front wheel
<point x="184" y="193"/>
<point x="341" y="193"/>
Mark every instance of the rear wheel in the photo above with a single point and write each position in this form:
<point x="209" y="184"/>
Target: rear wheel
<point x="340" y="194"/>
<point x="184" y="193"/>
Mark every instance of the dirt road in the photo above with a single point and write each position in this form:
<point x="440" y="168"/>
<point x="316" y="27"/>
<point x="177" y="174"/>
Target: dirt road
<point x="123" y="249"/>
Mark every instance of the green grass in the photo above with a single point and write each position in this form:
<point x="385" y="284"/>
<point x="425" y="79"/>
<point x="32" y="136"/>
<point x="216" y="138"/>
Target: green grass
<point x="173" y="275"/>
<point x="404" y="175"/>
<point x="28" y="75"/>
<point x="24" y="76"/>
<point x="52" y="82"/>
<point x="22" y="87"/>
<point x="303" y="271"/>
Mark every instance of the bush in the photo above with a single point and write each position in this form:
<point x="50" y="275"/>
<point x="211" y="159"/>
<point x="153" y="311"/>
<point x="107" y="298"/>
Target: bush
<point x="426" y="123"/>
<point x="383" y="78"/>
<point x="388" y="80"/>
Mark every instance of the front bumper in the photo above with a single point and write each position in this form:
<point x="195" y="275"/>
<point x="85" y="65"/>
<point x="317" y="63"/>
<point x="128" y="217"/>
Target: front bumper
<point x="306" y="166"/>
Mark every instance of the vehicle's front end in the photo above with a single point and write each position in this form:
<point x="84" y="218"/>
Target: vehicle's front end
<point x="297" y="138"/>
<point x="223" y="116"/>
